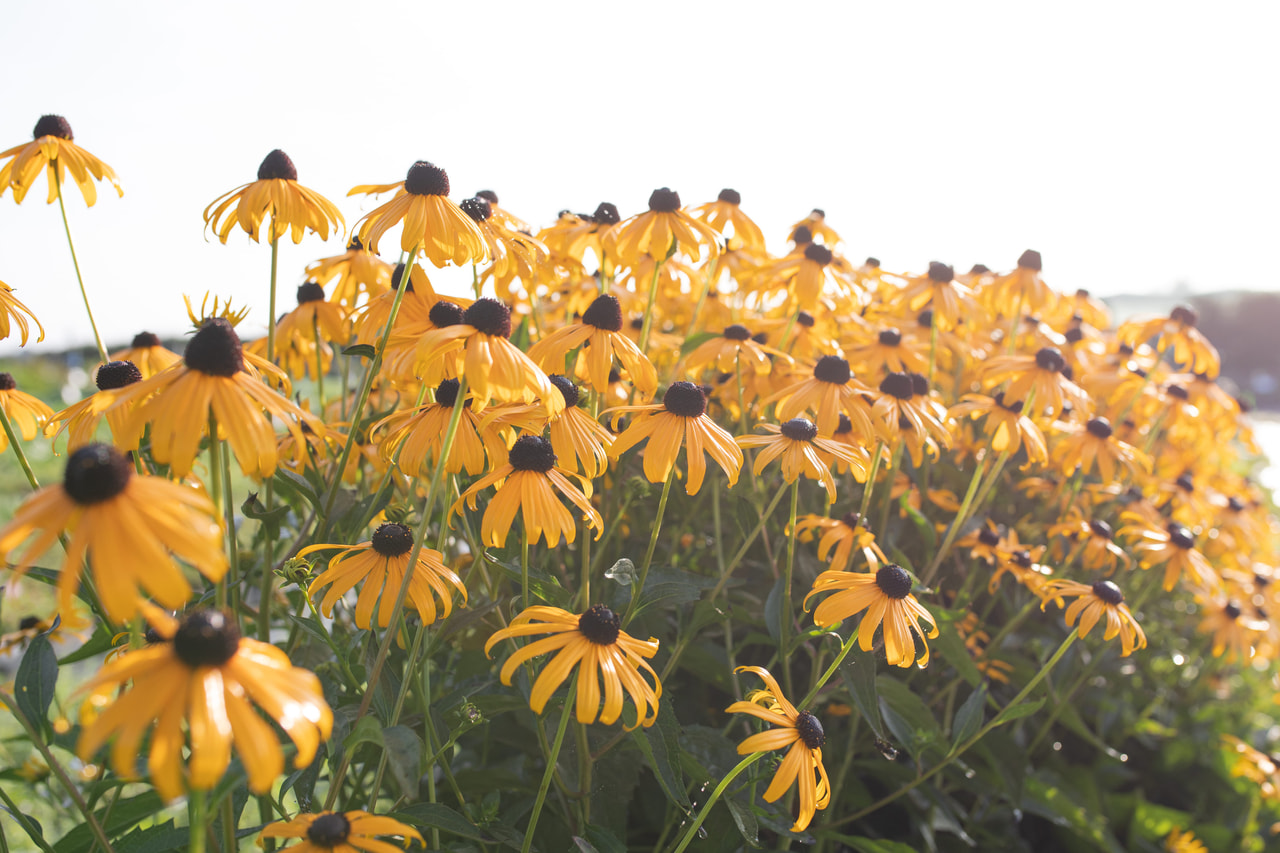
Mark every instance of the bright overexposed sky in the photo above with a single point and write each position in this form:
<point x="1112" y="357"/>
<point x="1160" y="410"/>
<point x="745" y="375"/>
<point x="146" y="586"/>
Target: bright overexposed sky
<point x="1133" y="144"/>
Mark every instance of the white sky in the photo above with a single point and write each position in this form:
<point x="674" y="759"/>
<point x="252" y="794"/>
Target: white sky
<point x="1133" y="144"/>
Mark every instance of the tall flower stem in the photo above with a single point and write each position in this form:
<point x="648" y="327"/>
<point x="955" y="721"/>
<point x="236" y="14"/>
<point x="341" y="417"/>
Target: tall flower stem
<point x="216" y="487"/>
<point x="233" y="544"/>
<point x="958" y="522"/>
<point x="196" y="811"/>
<point x="894" y="462"/>
<point x="653" y="296"/>
<point x="871" y="482"/>
<point x="25" y="822"/>
<point x="524" y="565"/>
<point x="17" y="449"/>
<point x="84" y="294"/>
<point x="315" y="331"/>
<point x="784" y="622"/>
<point x="692" y="831"/>
<point x="747" y="543"/>
<point x="271" y="299"/>
<point x="551" y="766"/>
<point x="648" y="554"/>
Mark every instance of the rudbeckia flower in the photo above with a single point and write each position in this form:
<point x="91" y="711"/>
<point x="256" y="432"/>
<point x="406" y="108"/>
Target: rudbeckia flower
<point x="573" y="234"/>
<point x="418" y="435"/>
<point x="731" y="349"/>
<point x="679" y="421"/>
<point x="983" y="543"/>
<point x="1094" y="445"/>
<point x="28" y="414"/>
<point x="433" y="224"/>
<point x="12" y="311"/>
<point x="528" y="484"/>
<point x="513" y="253"/>
<point x="82" y="418"/>
<point x="340" y="832"/>
<point x="725" y="211"/>
<point x="888" y="354"/>
<point x="1191" y="349"/>
<point x="797" y="443"/>
<point x="1023" y="289"/>
<point x="355" y="271"/>
<point x="210" y="678"/>
<point x="575" y="436"/>
<point x="1174" y="546"/>
<point x="1094" y="601"/>
<point x="305" y="330"/>
<point x="658" y="230"/>
<point x="128" y="524"/>
<point x="806" y="276"/>
<point x="1039" y="376"/>
<point x="886" y="596"/>
<point x="1023" y="563"/>
<point x="600" y="333"/>
<point x="1094" y="540"/>
<point x="839" y="539"/>
<point x="815" y="224"/>
<point x="798" y="732"/>
<point x="1233" y="631"/>
<point x="949" y="300"/>
<point x="276" y="195"/>
<point x="59" y="627"/>
<point x="1005" y="426"/>
<point x="148" y="354"/>
<point x="54" y="150"/>
<point x="905" y="406"/>
<point x="213" y="380"/>
<point x="831" y="390"/>
<point x="379" y="565"/>
<point x="604" y="655"/>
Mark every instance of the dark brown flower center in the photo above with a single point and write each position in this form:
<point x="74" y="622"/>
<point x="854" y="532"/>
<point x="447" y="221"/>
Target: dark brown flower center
<point x="142" y="340"/>
<point x="1185" y="483"/>
<point x="7" y="382"/>
<point x="310" y="291"/>
<point x="215" y="349"/>
<point x="1030" y="260"/>
<point x="607" y="213"/>
<point x="893" y="581"/>
<point x="1108" y="592"/>
<point x="818" y="253"/>
<point x="28" y="623"/>
<point x="117" y="374"/>
<point x="426" y="179"/>
<point x="851" y="520"/>
<point x="1178" y="392"/>
<point x="488" y="195"/>
<point x="737" y="332"/>
<point x="277" y="166"/>
<point x="1232" y="610"/>
<point x="532" y="453"/>
<point x="802" y="235"/>
<point x="833" y="369"/>
<point x="810" y="730"/>
<point x="489" y="317"/>
<point x="800" y="429"/>
<point x="1235" y="504"/>
<point x="1099" y="428"/>
<point x="95" y="473"/>
<point x="392" y="540"/>
<point x="890" y="338"/>
<point x="1101" y="528"/>
<point x="447" y="393"/>
<point x="567" y="389"/>
<point x="844" y="424"/>
<point x="1015" y="407"/>
<point x="600" y="625"/>
<point x="604" y="313"/>
<point x="731" y="196"/>
<point x="941" y="272"/>
<point x="329" y="830"/>
<point x="685" y="399"/>
<point x="804" y="318"/>
<point x="206" y="638"/>
<point x="53" y="126"/>
<point x="919" y="384"/>
<point x="925" y="319"/>
<point x="1050" y="358"/>
<point x="1181" y="536"/>
<point x="354" y="244"/>
<point x="1185" y="314"/>
<point x="979" y="269"/>
<point x="477" y="208"/>
<point x="898" y="385"/>
<point x="1074" y="335"/>
<point x="664" y="200"/>
<point x="988" y="537"/>
<point x="444" y="314"/>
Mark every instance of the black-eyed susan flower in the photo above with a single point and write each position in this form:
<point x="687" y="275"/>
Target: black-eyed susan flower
<point x="1092" y="603"/>
<point x="798" y="444"/>
<point x="276" y="195"/>
<point x="379" y="566"/>
<point x="1022" y="562"/>
<point x="27" y="413"/>
<point x="356" y="271"/>
<point x="732" y="349"/>
<point x="830" y="391"/>
<point x="816" y="227"/>
<point x="1024" y="289"/>
<point x="664" y="227"/>
<point x="148" y="353"/>
<point x="983" y="542"/>
<point x="514" y="253"/>
<point x="418" y="435"/>
<point x="1094" y="445"/>
<point x="212" y="381"/>
<point x="725" y="211"/>
<point x="600" y="333"/>
<point x="129" y="525"/>
<point x="574" y="234"/>
<point x="1004" y="425"/>
<point x="1177" y="332"/>
<point x="528" y="484"/>
<point x="940" y="292"/>
<point x="886" y="596"/>
<point x="52" y="148"/>
<point x="798" y="732"/>
<point x="1234" y="631"/>
<point x="59" y="627"/>
<point x="888" y="352"/>
<point x="341" y="832"/>
<point x="904" y="405"/>
<point x="840" y="537"/>
<point x="433" y="224"/>
<point x="303" y="334"/>
<point x="575" y="436"/>
<point x="14" y="313"/>
<point x="606" y="658"/>
<point x="81" y="419"/>
<point x="1095" y="541"/>
<point x="1039" y="377"/>
<point x="209" y="678"/>
<point x="806" y="276"/>
<point x="1254" y="765"/>
<point x="679" y="421"/>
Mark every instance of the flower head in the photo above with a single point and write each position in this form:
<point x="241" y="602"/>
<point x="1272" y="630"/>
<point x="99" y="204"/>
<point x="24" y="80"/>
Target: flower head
<point x="52" y="149"/>
<point x="661" y="230"/>
<point x="799" y="446"/>
<point x="340" y="832"/>
<point x="433" y="224"/>
<point x="1094" y="601"/>
<point x="886" y="596"/>
<point x="276" y="195"/>
<point x="12" y="311"/>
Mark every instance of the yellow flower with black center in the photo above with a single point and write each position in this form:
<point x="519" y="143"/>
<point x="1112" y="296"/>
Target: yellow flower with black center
<point x="276" y="195"/>
<point x="341" y="832"/>
<point x="665" y="227"/>
<point x="940" y="292"/>
<point x="209" y="677"/>
<point x="1021" y="562"/>
<point x="513" y="253"/>
<point x="1177" y="332"/>
<point x="213" y="381"/>
<point x="886" y="596"/>
<point x="798" y="732"/>
<point x="1005" y="426"/>
<point x="379" y="565"/>
<point x="148" y="353"/>
<point x="81" y="419"/>
<point x="1234" y="631"/>
<point x="726" y="211"/>
<point x="433" y="225"/>
<point x="303" y="334"/>
<point x="731" y="350"/>
<point x="600" y="334"/>
<point x="418" y="435"/>
<point x="798" y="445"/>
<point x="528" y="484"/>
<point x="830" y="391"/>
<point x="52" y="148"/>
<point x="14" y="313"/>
<point x="605" y="656"/>
<point x="27" y="413"/>
<point x="905" y="407"/>
<point x="573" y="234"/>
<point x="680" y="420"/>
<point x="1096" y="541"/>
<point x="983" y="543"/>
<point x="815" y="227"/>
<point x="839" y="539"/>
<point x="1093" y="602"/>
<point x="1038" y="376"/>
<point x="129" y="525"/>
<point x="1023" y="290"/>
<point x="575" y="435"/>
<point x="1095" y="445"/>
<point x="356" y="271"/>
<point x="888" y="353"/>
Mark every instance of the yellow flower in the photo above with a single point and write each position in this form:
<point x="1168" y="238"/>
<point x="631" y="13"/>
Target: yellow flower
<point x="148" y="354"/>
<point x="1094" y="445"/>
<point x="830" y="391"/>
<point x="797" y="443"/>
<point x="1023" y="290"/>
<point x="306" y="330"/>
<point x="603" y="653"/>
<point x="732" y="349"/>
<point x="600" y="334"/>
<point x="798" y="732"/>
<point x="1178" y="332"/>
<point x="1183" y="842"/>
<point x="886" y="596"/>
<point x="418" y="435"/>
<point x="12" y="311"/>
<point x="840" y="537"/>
<point x="355" y="271"/>
<point x="276" y="195"/>
<point x="340" y="832"/>
<point x="664" y="227"/>
<point x="433" y="225"/>
<point x="130" y="526"/>
<point x="209" y="677"/>
<point x="1233" y="632"/>
<point x="949" y="300"/>
<point x="1039" y="376"/>
<point x="82" y="418"/>
<point x="1093" y="601"/>
<point x="1007" y="428"/>
<point x="27" y="414"/>
<point x="815" y="225"/>
<point x="725" y="211"/>
<point x="53" y="149"/>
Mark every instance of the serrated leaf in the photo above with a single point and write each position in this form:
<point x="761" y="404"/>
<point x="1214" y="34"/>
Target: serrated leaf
<point x="968" y="719"/>
<point x="36" y="679"/>
<point x="671" y="587"/>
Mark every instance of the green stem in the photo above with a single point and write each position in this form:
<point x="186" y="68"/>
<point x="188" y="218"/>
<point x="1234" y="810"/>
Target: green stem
<point x="653" y="296"/>
<point x="229" y="844"/>
<point x="784" y="623"/>
<point x="746" y="545"/>
<point x="55" y="169"/>
<point x="216" y="487"/>
<point x="894" y="462"/>
<point x="17" y="449"/>
<point x="958" y="522"/>
<point x="648" y="554"/>
<point x="25" y="822"/>
<point x="524" y="565"/>
<point x="871" y="483"/>
<point x="196" y="819"/>
<point x="692" y="831"/>
<point x="551" y="767"/>
<point x="233" y="546"/>
<point x="271" y="303"/>
<point x="315" y="330"/>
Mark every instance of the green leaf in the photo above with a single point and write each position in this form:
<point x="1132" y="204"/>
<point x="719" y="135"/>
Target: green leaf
<point x="541" y="584"/>
<point x="968" y="719"/>
<point x="660" y="745"/>
<point x="37" y="677"/>
<point x="859" y="675"/>
<point x="923" y="526"/>
<point x="953" y="650"/>
<point x="404" y="755"/>
<point x="599" y="840"/>
<point x="671" y="587"/>
<point x="773" y="611"/>
<point x="296" y="484"/>
<point x="1017" y="712"/>
<point x="362" y="350"/>
<point x="98" y="644"/>
<point x="441" y="817"/>
<point x="694" y="341"/>
<point x="1048" y="797"/>
<point x="368" y="730"/>
<point x="745" y="821"/>
<point x="1154" y="822"/>
<point x="124" y="816"/>
<point x="271" y="518"/>
<point x="906" y="715"/>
